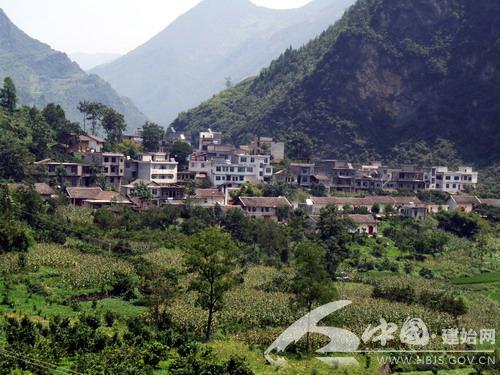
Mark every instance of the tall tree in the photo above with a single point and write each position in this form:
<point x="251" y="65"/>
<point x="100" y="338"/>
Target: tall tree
<point x="8" y="96"/>
<point x="152" y="135"/>
<point x="92" y="111"/>
<point x="334" y="232"/>
<point x="113" y="124"/>
<point x="212" y="258"/>
<point x="180" y="151"/>
<point x="64" y="129"/>
<point x="42" y="136"/>
<point x="311" y="284"/>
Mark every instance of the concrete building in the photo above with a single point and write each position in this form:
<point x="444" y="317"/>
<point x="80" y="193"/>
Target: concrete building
<point x="108" y="164"/>
<point x="442" y="179"/>
<point x="241" y="169"/>
<point x="365" y="224"/>
<point x="155" y="167"/>
<point x="263" y="207"/>
<point x="463" y="202"/>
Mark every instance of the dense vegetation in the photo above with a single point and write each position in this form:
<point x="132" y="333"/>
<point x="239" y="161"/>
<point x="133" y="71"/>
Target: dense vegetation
<point x="186" y="290"/>
<point x="46" y="76"/>
<point x="388" y="75"/>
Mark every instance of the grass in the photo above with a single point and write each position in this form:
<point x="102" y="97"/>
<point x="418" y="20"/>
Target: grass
<point x="483" y="278"/>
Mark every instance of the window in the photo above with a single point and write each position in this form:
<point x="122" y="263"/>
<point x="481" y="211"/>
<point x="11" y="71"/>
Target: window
<point x="231" y="169"/>
<point x="250" y="169"/>
<point x="74" y="169"/>
<point x="252" y="160"/>
<point x="448" y="178"/>
<point x="217" y="178"/>
<point x="218" y="169"/>
<point x="243" y="159"/>
<point x="113" y="160"/>
<point x="447" y="186"/>
<point x="242" y="178"/>
<point x="457" y="178"/>
<point x="241" y="169"/>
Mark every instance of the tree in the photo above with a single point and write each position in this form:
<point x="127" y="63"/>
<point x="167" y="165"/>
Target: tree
<point x="375" y="208"/>
<point x="129" y="148"/>
<point x="311" y="285"/>
<point x="299" y="146"/>
<point x="14" y="237"/>
<point x="212" y="259"/>
<point x="42" y="136"/>
<point x="334" y="231"/>
<point x="92" y="112"/>
<point x="246" y="190"/>
<point x="318" y="190"/>
<point x="113" y="124"/>
<point x="64" y="129"/>
<point x="8" y="96"/>
<point x="152" y="135"/>
<point x="142" y="191"/>
<point x="180" y="151"/>
<point x="15" y="159"/>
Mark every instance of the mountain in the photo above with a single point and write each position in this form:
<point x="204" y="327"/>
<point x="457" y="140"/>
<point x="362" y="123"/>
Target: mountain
<point x="88" y="61"/>
<point x="43" y="75"/>
<point x="190" y="60"/>
<point x="388" y="76"/>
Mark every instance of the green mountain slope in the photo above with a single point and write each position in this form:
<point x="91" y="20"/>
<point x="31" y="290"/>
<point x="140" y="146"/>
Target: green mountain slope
<point x="389" y="72"/>
<point x="190" y="59"/>
<point x="43" y="75"/>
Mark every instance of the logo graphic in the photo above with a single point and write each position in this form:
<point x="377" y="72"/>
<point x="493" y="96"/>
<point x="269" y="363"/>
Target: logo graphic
<point x="413" y="333"/>
<point x="341" y="340"/>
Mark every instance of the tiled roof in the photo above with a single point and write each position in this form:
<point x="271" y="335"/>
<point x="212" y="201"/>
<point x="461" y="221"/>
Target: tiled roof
<point x="209" y="193"/>
<point x="363" y="219"/>
<point x="43" y="188"/>
<point x="264" y="202"/>
<point x="466" y="199"/>
<point x="491" y="202"/>
<point x="365" y="201"/>
<point x="86" y="138"/>
<point x="83" y="192"/>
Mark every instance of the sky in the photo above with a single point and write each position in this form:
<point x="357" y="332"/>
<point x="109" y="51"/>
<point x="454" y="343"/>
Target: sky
<point x="103" y="26"/>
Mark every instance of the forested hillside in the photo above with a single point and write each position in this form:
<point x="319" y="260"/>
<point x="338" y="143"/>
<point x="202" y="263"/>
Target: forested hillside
<point x="44" y="76"/>
<point x="388" y="74"/>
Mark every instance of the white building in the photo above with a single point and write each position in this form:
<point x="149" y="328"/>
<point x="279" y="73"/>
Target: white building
<point x="442" y="179"/>
<point x="156" y="167"/>
<point x="241" y="169"/>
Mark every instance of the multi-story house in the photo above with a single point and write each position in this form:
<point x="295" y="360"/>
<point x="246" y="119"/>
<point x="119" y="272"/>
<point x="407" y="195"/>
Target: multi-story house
<point x="109" y="165"/>
<point x="161" y="194"/>
<point x="69" y="174"/>
<point x="155" y="166"/>
<point x="86" y="143"/>
<point x="240" y="169"/>
<point x="209" y="138"/>
<point x="408" y="177"/>
<point x="264" y="146"/>
<point x="442" y="179"/>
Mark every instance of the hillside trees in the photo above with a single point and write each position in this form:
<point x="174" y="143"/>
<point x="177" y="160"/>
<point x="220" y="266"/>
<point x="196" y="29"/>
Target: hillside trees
<point x="152" y="134"/>
<point x="8" y="96"/>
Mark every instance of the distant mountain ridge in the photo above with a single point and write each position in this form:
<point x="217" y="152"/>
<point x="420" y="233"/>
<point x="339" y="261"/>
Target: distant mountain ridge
<point x="190" y="60"/>
<point x="386" y="76"/>
<point x="87" y="61"/>
<point x="43" y="75"/>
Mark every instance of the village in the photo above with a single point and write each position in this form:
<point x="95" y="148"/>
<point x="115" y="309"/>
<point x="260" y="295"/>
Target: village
<point x="216" y="173"/>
